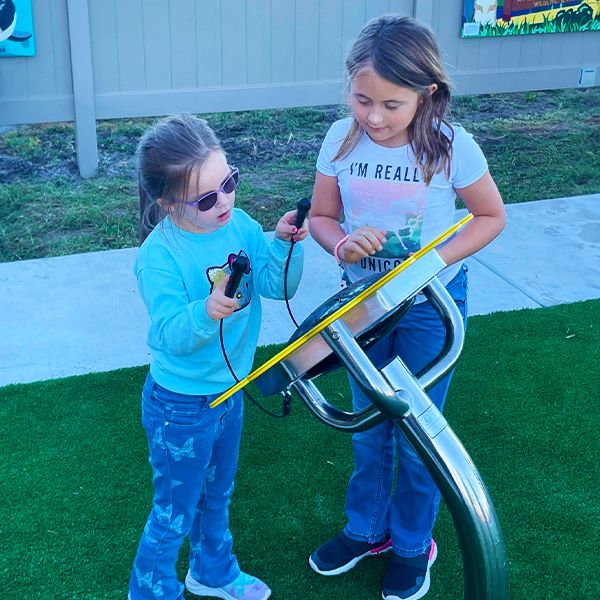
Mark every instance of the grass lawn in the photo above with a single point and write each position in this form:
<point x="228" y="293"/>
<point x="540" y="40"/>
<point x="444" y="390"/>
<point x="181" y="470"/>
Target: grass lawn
<point x="75" y="483"/>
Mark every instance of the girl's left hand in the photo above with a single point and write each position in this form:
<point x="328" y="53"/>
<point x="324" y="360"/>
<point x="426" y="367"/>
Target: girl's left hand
<point x="286" y="228"/>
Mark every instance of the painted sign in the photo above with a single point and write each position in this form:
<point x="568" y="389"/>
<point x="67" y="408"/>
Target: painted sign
<point x="488" y="18"/>
<point x="16" y="28"/>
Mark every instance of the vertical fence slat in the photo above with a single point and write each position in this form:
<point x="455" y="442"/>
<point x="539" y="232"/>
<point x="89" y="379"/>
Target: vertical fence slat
<point x="208" y="44"/>
<point x="531" y="50"/>
<point x="489" y="55"/>
<point x="258" y="47"/>
<point x="282" y="41"/>
<point x="60" y="48"/>
<point x="233" y="47"/>
<point x="83" y="87"/>
<point x="423" y="11"/>
<point x="330" y="39"/>
<point x="352" y="23"/>
<point x="183" y="44"/>
<point x="157" y="45"/>
<point x="45" y="72"/>
<point x="306" y="51"/>
<point x="130" y="43"/>
<point x="105" y="56"/>
<point x="402" y="7"/>
<point x="374" y="8"/>
<point x="509" y="54"/>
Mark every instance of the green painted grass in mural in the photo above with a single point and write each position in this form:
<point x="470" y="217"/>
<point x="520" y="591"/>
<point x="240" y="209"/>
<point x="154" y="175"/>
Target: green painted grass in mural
<point x="549" y="25"/>
<point x="491" y="19"/>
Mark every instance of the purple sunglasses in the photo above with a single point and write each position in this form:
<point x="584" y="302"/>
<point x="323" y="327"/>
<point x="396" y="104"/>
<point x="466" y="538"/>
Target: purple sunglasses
<point x="208" y="200"/>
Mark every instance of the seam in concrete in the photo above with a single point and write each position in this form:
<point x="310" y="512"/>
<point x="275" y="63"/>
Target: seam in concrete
<point x="509" y="281"/>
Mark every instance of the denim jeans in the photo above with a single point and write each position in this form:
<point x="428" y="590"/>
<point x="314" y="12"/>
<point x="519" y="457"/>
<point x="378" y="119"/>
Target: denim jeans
<point x="193" y="455"/>
<point x="373" y="507"/>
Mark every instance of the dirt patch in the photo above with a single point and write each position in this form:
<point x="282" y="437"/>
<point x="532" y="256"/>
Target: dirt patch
<point x="13" y="168"/>
<point x="256" y="151"/>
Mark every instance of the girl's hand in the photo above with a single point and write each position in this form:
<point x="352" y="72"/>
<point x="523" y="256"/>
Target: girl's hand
<point x="218" y="305"/>
<point x="286" y="228"/>
<point x="362" y="242"/>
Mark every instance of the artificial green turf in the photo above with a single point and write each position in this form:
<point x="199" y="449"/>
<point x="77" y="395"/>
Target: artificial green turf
<point x="75" y="485"/>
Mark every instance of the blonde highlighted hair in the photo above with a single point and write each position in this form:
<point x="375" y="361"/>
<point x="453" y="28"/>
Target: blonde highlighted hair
<point x="405" y="52"/>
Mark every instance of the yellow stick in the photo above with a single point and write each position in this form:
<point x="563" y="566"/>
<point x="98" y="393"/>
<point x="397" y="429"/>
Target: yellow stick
<point x="340" y="312"/>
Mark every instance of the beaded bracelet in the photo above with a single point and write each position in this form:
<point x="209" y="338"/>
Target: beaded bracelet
<point x="337" y="247"/>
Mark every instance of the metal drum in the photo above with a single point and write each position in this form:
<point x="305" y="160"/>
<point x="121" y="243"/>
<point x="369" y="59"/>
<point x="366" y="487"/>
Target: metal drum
<point x="368" y="321"/>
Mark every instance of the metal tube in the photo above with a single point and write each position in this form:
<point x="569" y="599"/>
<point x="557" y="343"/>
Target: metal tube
<point x="334" y="417"/>
<point x="342" y="342"/>
<point x="457" y="478"/>
<point x="444" y="305"/>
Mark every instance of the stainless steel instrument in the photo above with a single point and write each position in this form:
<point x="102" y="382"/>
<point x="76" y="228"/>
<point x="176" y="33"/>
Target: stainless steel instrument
<point x="398" y="394"/>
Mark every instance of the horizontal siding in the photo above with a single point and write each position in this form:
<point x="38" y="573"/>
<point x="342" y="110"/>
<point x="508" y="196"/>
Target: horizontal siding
<point x="152" y="57"/>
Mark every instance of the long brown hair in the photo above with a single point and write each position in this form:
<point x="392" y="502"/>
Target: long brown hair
<point x="167" y="156"/>
<point x="405" y="52"/>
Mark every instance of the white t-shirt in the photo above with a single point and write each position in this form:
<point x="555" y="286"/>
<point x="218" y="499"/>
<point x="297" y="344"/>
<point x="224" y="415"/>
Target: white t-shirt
<point x="383" y="187"/>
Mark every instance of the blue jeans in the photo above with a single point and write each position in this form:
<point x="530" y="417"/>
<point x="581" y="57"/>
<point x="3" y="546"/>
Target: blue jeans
<point x="193" y="455"/>
<point x="373" y="507"/>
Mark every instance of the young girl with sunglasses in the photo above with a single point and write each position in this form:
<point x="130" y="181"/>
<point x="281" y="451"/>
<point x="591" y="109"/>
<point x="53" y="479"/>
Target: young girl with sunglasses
<point x="182" y="269"/>
<point x="392" y="173"/>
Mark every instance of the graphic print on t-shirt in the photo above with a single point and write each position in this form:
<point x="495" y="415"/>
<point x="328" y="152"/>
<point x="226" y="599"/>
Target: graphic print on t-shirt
<point x="215" y="276"/>
<point x="396" y="207"/>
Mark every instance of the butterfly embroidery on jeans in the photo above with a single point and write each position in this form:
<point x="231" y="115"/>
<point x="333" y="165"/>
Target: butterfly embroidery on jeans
<point x="146" y="581"/>
<point x="177" y="524"/>
<point x="226" y="538"/>
<point x="210" y="474"/>
<point x="164" y="515"/>
<point x="157" y="439"/>
<point x="186" y="450"/>
<point x="150" y="540"/>
<point x="156" y="473"/>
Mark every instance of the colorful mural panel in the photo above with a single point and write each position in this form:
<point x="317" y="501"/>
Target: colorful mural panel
<point x="489" y="18"/>
<point x="16" y="28"/>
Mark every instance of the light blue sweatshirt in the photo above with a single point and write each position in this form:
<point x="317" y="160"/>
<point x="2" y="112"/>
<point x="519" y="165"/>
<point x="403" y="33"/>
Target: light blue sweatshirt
<point x="176" y="271"/>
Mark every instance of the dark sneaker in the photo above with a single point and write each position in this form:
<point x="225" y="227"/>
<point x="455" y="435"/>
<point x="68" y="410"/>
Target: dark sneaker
<point x="341" y="554"/>
<point x="408" y="578"/>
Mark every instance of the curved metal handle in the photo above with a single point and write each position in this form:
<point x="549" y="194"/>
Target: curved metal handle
<point x="444" y="305"/>
<point x="333" y="416"/>
<point x="339" y="337"/>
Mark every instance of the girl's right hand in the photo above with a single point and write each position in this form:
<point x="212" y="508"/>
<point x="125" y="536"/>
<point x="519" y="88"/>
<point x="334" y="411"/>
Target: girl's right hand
<point x="218" y="305"/>
<point x="362" y="242"/>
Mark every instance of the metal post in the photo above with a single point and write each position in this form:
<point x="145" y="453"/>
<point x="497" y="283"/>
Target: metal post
<point x="83" y="87"/>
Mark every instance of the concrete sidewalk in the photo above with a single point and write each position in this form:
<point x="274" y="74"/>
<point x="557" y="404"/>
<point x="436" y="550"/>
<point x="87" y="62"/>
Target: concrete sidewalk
<point x="82" y="313"/>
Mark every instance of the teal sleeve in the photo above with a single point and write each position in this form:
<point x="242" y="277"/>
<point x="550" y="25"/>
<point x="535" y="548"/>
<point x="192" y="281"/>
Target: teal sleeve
<point x="270" y="274"/>
<point x="179" y="326"/>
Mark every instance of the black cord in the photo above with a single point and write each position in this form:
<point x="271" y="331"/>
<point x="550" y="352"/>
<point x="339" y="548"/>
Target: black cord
<point x="287" y="398"/>
<point x="285" y="286"/>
